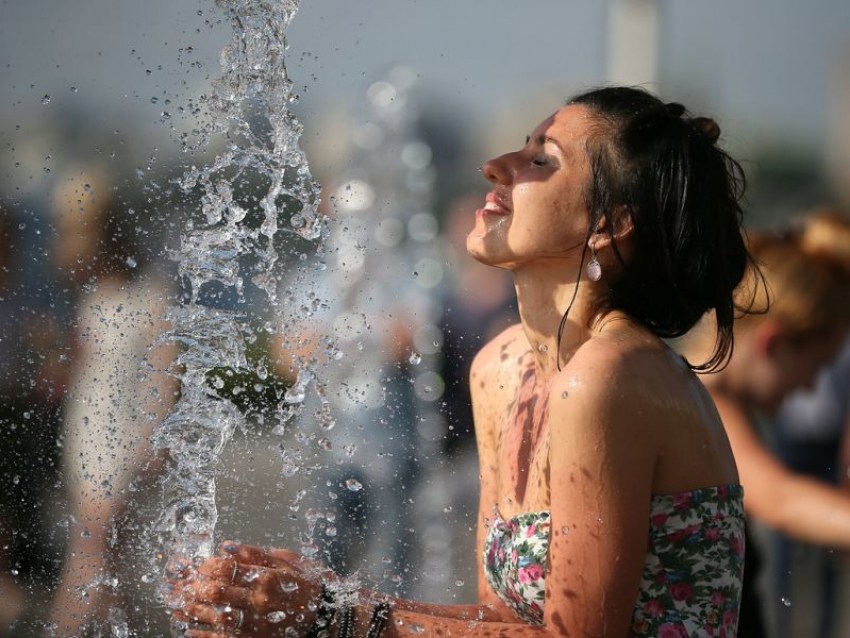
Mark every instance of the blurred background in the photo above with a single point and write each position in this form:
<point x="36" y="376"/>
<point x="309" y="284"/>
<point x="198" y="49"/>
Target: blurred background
<point x="97" y="98"/>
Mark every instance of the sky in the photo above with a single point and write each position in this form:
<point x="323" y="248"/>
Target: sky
<point x="762" y="67"/>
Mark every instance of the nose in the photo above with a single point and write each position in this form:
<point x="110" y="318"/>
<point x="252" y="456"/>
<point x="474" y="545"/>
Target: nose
<point x="497" y="170"/>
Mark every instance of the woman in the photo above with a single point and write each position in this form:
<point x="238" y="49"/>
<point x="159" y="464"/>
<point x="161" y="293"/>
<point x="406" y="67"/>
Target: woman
<point x="610" y="502"/>
<point x="807" y="276"/>
<point x="110" y="408"/>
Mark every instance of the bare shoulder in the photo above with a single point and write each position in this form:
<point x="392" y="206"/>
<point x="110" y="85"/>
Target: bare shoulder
<point x="612" y="385"/>
<point x="604" y="434"/>
<point x="601" y="369"/>
<point x="497" y="355"/>
<point x="493" y="378"/>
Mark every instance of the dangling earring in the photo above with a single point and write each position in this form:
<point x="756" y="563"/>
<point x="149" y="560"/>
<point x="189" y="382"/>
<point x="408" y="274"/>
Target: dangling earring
<point x="594" y="269"/>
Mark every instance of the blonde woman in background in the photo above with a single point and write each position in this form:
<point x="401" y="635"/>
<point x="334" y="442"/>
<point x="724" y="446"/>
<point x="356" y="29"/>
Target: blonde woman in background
<point x="807" y="435"/>
<point x="110" y="409"/>
<point x="806" y="295"/>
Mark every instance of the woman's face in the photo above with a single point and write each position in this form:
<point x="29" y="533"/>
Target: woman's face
<point x="794" y="365"/>
<point x="536" y="210"/>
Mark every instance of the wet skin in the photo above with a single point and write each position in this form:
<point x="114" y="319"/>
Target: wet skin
<point x="622" y="419"/>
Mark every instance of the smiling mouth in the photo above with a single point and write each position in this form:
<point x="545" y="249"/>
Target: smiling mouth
<point x="493" y="206"/>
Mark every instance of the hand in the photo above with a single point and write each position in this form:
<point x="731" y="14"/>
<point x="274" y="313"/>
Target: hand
<point x="249" y="591"/>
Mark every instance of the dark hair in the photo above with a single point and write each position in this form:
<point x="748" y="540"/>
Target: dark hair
<point x="651" y="162"/>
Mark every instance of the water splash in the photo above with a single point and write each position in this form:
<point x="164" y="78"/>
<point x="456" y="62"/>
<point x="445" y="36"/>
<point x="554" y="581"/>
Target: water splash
<point x="231" y="245"/>
<point x="377" y="373"/>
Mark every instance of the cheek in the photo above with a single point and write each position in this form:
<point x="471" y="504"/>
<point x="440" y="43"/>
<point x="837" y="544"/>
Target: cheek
<point x="547" y="218"/>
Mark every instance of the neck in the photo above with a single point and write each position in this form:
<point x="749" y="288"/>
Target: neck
<point x="543" y="295"/>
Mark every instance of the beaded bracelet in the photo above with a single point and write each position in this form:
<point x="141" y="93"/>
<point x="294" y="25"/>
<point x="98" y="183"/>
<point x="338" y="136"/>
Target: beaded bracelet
<point x="346" y="623"/>
<point x="379" y="620"/>
<point x="324" y="615"/>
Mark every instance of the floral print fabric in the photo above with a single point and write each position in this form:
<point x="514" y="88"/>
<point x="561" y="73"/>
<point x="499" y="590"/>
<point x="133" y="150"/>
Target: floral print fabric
<point x="515" y="560"/>
<point x="691" y="582"/>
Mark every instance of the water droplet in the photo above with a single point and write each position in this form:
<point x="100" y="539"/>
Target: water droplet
<point x="45" y="99"/>
<point x="21" y="226"/>
<point x="353" y="485"/>
<point x="325" y="444"/>
<point x="289" y="587"/>
<point x="460" y="582"/>
<point x="276" y="617"/>
<point x="330" y="532"/>
<point x="131" y="262"/>
<point x="298" y="221"/>
<point x="785" y="601"/>
<point x="415" y="359"/>
<point x="16" y="479"/>
<point x="564" y="394"/>
<point x="447" y="509"/>
<point x="251" y="576"/>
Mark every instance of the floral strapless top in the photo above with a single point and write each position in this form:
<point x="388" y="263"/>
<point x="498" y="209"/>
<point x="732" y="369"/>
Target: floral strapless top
<point x="691" y="582"/>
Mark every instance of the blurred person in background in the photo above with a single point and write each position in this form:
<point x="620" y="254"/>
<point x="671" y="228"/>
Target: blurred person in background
<point x="111" y="405"/>
<point x="812" y="427"/>
<point x="806" y="298"/>
<point x="33" y="375"/>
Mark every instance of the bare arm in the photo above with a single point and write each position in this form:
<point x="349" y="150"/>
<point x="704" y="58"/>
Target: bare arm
<point x="799" y="506"/>
<point x="602" y="462"/>
<point x="601" y="479"/>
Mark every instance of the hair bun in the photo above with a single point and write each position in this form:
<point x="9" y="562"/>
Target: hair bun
<point x="674" y="109"/>
<point x="707" y="127"/>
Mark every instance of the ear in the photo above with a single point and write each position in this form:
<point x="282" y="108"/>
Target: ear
<point x="768" y="337"/>
<point x="605" y="233"/>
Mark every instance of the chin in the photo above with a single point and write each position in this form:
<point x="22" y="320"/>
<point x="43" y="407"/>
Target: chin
<point x="487" y="255"/>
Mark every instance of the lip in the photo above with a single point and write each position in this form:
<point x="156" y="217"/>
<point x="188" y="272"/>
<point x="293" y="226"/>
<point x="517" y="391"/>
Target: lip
<point x="495" y="206"/>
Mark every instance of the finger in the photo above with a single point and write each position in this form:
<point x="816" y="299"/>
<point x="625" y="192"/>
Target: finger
<point x="200" y="633"/>
<point x="226" y="572"/>
<point x="223" y="569"/>
<point x="217" y="594"/>
<point x="287" y="555"/>
<point x="215" y="617"/>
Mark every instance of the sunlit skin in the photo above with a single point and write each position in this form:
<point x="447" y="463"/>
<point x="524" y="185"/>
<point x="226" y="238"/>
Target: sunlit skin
<point x="624" y="418"/>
